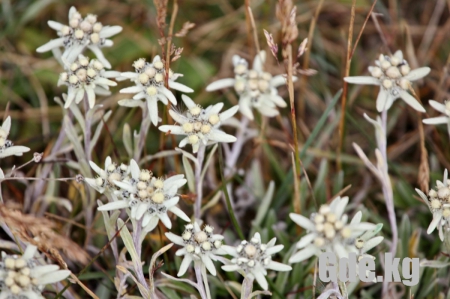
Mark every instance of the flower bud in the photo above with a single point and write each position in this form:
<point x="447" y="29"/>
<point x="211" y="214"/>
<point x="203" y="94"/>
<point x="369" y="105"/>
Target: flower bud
<point x="97" y="27"/>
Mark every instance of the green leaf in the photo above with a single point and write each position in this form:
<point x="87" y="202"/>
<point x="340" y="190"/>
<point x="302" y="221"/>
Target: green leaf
<point x="128" y="241"/>
<point x="189" y="174"/>
<point x="127" y="142"/>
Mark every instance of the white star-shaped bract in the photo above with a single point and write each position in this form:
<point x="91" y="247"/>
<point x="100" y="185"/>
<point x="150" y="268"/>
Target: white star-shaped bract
<point x="22" y="277"/>
<point x="7" y="148"/>
<point x="148" y="198"/>
<point x="438" y="201"/>
<point x="107" y="176"/>
<point x="86" y="78"/>
<point x="79" y="35"/>
<point x="200" y="125"/>
<point x="256" y="88"/>
<point x="394" y="76"/>
<point x="255" y="258"/>
<point x="149" y="80"/>
<point x="444" y="109"/>
<point x="199" y="245"/>
<point x="328" y="231"/>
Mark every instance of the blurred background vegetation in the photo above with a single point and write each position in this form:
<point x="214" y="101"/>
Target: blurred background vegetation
<point x="419" y="28"/>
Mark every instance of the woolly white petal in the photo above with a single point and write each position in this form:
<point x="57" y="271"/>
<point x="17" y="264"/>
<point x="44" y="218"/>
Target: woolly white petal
<point x="165" y="220"/>
<point x="411" y="101"/>
<point x="53" y="277"/>
<point x="188" y="101"/>
<point x="175" y="239"/>
<point x="43" y="270"/>
<point x="228" y="113"/>
<point x="30" y="251"/>
<point x="259" y="60"/>
<point x="152" y="106"/>
<point x="274" y="249"/>
<point x="54" y="43"/>
<point x="208" y="264"/>
<point x="245" y="107"/>
<point x="180" y="87"/>
<point x="184" y="264"/>
<point x="436" y="120"/>
<point x="219" y="84"/>
<point x="368" y="245"/>
<point x="134" y="169"/>
<point x="100" y="56"/>
<point x="417" y="73"/>
<point x="278" y="80"/>
<point x="108" y="31"/>
<point x="305" y="240"/>
<point x="132" y="89"/>
<point x="177" y="211"/>
<point x="436" y="219"/>
<point x="168" y="94"/>
<point x="303" y="254"/>
<point x="278" y="266"/>
<point x="303" y="221"/>
<point x="261" y="279"/>
<point x="230" y="268"/>
<point x="362" y="80"/>
<point x="115" y="205"/>
<point x="436" y="105"/>
<point x="220" y="136"/>
<point x="382" y="99"/>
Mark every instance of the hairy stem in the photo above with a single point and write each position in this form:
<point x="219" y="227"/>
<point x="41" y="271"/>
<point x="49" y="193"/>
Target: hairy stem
<point x="200" y="285"/>
<point x="247" y="287"/>
<point x="387" y="192"/>
<point x="87" y="130"/>
<point x="198" y="181"/>
<point x="137" y="228"/>
<point x="142" y="133"/>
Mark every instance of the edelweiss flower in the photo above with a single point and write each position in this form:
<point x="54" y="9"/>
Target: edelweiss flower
<point x="86" y="78"/>
<point x="21" y="277"/>
<point x="328" y="231"/>
<point x="149" y="198"/>
<point x="200" y="125"/>
<point x="7" y="148"/>
<point x="438" y="201"/>
<point x="255" y="258"/>
<point x="256" y="88"/>
<point x="199" y="245"/>
<point x="107" y="177"/>
<point x="149" y="79"/>
<point x="443" y="108"/>
<point x="80" y="34"/>
<point x="394" y="77"/>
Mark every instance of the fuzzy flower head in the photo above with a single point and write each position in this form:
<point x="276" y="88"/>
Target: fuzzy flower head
<point x="7" y="148"/>
<point x="328" y="230"/>
<point x="22" y="277"/>
<point x="106" y="177"/>
<point x="438" y="201"/>
<point x="86" y="78"/>
<point x="394" y="76"/>
<point x="148" y="197"/>
<point x="255" y="258"/>
<point x="200" y="125"/>
<point x="199" y="245"/>
<point x="256" y="88"/>
<point x="79" y="34"/>
<point x="149" y="79"/>
<point x="444" y="109"/>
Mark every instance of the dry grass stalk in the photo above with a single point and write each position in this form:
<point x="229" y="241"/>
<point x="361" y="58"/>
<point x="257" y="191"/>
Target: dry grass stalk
<point x="41" y="233"/>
